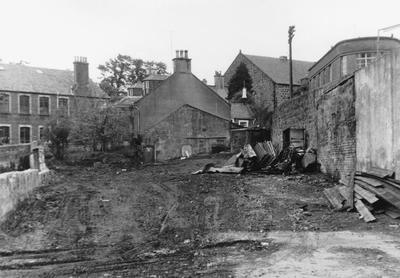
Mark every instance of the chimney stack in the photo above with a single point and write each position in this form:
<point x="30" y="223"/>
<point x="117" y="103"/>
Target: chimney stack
<point x="219" y="81"/>
<point x="81" y="75"/>
<point x="182" y="63"/>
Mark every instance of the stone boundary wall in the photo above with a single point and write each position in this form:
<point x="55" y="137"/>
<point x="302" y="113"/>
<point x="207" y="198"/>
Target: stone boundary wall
<point x="298" y="112"/>
<point x="15" y="187"/>
<point x="336" y="131"/>
<point x="328" y="117"/>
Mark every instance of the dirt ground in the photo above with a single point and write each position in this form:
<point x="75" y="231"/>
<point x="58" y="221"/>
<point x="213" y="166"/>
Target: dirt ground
<point x="113" y="220"/>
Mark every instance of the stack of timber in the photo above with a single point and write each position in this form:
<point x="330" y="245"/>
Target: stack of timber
<point x="265" y="152"/>
<point x="374" y="192"/>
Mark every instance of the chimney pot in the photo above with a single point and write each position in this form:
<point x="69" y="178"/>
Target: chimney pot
<point x="177" y="53"/>
<point x="283" y="58"/>
<point x="181" y="53"/>
<point x="186" y="54"/>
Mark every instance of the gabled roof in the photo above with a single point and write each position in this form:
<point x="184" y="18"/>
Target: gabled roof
<point x="22" y="78"/>
<point x="178" y="90"/>
<point x="159" y="77"/>
<point x="241" y="111"/>
<point x="278" y="69"/>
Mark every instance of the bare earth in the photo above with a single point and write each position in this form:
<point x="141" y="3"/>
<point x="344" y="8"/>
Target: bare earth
<point x="161" y="221"/>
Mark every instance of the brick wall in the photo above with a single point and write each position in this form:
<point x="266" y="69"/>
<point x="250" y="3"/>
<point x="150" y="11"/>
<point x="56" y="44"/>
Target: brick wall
<point x="262" y="84"/>
<point x="187" y="126"/>
<point x="298" y="112"/>
<point x="336" y="127"/>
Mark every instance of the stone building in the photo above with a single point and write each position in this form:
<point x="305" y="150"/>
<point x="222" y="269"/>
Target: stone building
<point x="30" y="95"/>
<point x="347" y="113"/>
<point x="182" y="111"/>
<point x="270" y="77"/>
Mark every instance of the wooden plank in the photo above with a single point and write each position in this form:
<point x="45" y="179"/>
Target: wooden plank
<point x="379" y="172"/>
<point x="364" y="212"/>
<point x="381" y="193"/>
<point x="366" y="195"/>
<point x="351" y="186"/>
<point x="392" y="214"/>
<point x="357" y="196"/>
<point x="334" y="197"/>
<point x="370" y="181"/>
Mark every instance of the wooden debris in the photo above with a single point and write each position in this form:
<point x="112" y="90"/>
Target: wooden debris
<point x="334" y="197"/>
<point x="392" y="214"/>
<point x="370" y="181"/>
<point x="380" y="192"/>
<point x="357" y="196"/>
<point x="379" y="172"/>
<point x="365" y="194"/>
<point x="364" y="212"/>
<point x="232" y="161"/>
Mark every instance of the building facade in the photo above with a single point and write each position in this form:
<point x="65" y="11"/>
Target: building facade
<point x="182" y="111"/>
<point x="347" y="56"/>
<point x="270" y="77"/>
<point x="29" y="96"/>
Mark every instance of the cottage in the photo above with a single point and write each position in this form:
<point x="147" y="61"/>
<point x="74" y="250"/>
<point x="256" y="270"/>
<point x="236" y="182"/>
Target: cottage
<point x="30" y="95"/>
<point x="182" y="111"/>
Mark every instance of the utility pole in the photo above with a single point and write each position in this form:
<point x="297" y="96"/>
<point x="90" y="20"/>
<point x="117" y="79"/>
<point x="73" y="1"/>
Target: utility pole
<point x="291" y="35"/>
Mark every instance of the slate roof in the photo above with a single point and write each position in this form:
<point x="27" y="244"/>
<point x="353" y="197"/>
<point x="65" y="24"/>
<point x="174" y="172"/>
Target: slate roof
<point x="127" y="101"/>
<point x="278" y="70"/>
<point x="223" y="93"/>
<point x="22" y="78"/>
<point x="241" y="111"/>
<point x="156" y="77"/>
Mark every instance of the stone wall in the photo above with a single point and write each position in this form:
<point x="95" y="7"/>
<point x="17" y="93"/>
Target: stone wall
<point x="263" y="86"/>
<point x="336" y="129"/>
<point x="298" y="112"/>
<point x="15" y="187"/>
<point x="328" y="118"/>
<point x="187" y="126"/>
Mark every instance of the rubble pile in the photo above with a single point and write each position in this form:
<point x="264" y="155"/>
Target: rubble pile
<point x="264" y="157"/>
<point x="371" y="192"/>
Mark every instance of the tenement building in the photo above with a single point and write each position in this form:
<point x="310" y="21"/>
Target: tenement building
<point x="29" y="96"/>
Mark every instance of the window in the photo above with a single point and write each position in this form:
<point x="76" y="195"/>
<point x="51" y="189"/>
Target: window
<point x="63" y="105"/>
<point x="4" y="134"/>
<point x="5" y="103"/>
<point x="44" y="105"/>
<point x="24" y="134"/>
<point x="146" y="87"/>
<point x="244" y="123"/>
<point x="364" y="59"/>
<point x="41" y="133"/>
<point x="24" y="104"/>
<point x="343" y="63"/>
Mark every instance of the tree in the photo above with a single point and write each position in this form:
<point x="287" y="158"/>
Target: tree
<point x="241" y="78"/>
<point x="124" y="71"/>
<point x="98" y="125"/>
<point x="57" y="133"/>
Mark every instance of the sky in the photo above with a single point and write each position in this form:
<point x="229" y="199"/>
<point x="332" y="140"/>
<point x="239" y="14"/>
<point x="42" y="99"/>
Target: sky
<point x="49" y="33"/>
